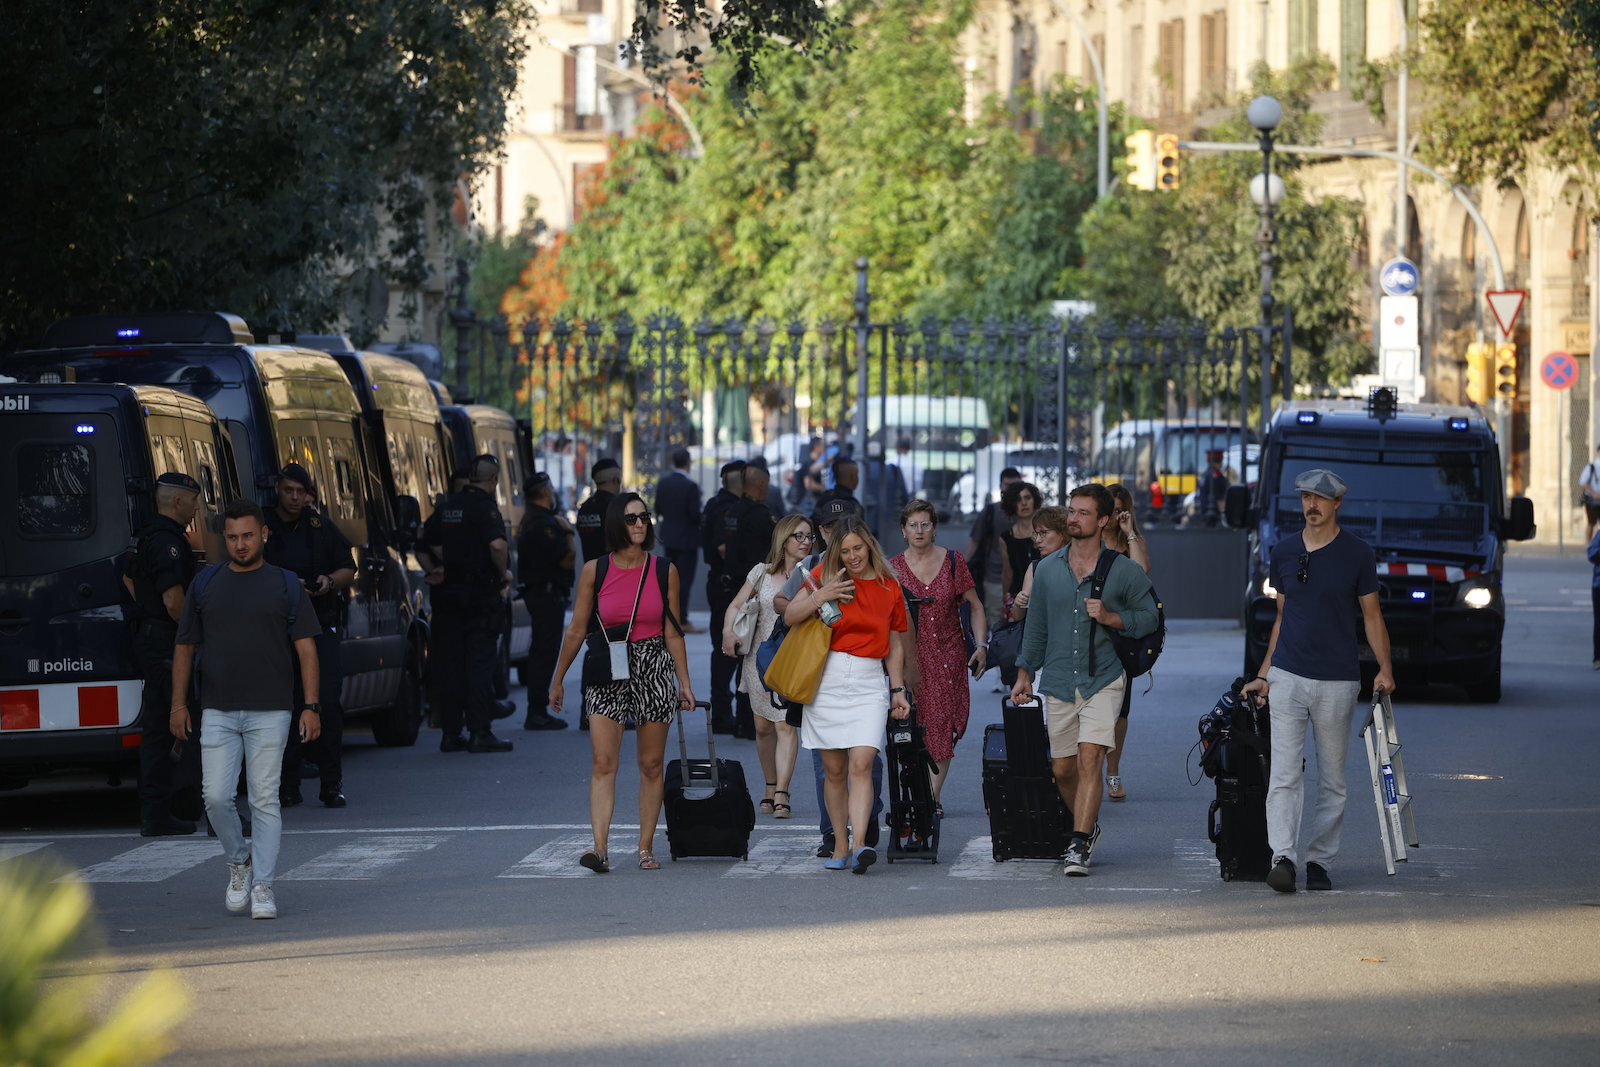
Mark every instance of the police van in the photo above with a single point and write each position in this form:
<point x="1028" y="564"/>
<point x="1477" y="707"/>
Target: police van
<point x="78" y="468"/>
<point x="1425" y="491"/>
<point x="280" y="403"/>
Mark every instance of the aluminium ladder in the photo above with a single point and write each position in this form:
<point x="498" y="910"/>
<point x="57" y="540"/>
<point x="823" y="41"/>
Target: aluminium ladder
<point x="1396" y="825"/>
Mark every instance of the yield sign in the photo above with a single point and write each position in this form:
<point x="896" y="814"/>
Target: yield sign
<point x="1506" y="305"/>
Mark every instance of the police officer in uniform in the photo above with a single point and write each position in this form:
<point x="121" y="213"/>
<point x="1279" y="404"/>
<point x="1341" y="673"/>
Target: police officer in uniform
<point x="719" y="523"/>
<point x="159" y="577"/>
<point x="464" y="550"/>
<point x="607" y="475"/>
<point x="302" y="540"/>
<point x="546" y="558"/>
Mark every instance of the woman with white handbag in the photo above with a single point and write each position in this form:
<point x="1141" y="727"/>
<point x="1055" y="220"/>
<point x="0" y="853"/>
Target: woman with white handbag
<point x="750" y="621"/>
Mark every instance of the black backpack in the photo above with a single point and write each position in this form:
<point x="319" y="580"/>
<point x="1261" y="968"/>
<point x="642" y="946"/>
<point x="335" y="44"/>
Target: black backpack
<point x="1138" y="654"/>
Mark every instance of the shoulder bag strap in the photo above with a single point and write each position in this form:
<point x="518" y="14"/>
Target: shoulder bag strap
<point x="1097" y="586"/>
<point x="662" y="580"/>
<point x="601" y="565"/>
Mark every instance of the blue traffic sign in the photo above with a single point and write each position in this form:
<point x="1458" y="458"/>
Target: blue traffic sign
<point x="1559" y="370"/>
<point x="1398" y="277"/>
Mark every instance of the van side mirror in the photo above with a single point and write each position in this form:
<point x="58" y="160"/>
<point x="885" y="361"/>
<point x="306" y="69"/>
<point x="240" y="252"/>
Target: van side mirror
<point x="408" y="516"/>
<point x="1236" y="509"/>
<point x="1520" y="526"/>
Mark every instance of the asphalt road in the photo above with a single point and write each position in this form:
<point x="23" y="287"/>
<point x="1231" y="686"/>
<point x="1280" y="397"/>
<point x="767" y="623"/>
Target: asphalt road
<point x="442" y="918"/>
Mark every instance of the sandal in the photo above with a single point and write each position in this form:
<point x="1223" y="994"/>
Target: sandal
<point x="595" y="862"/>
<point x="938" y="809"/>
<point x="647" y="862"/>
<point x="768" y="804"/>
<point x="780" y="810"/>
<point x="1114" y="787"/>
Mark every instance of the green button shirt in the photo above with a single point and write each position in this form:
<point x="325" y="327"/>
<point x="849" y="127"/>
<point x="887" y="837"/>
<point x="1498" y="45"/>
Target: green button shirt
<point x="1056" y="636"/>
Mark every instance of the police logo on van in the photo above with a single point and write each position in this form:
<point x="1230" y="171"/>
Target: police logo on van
<point x="15" y="403"/>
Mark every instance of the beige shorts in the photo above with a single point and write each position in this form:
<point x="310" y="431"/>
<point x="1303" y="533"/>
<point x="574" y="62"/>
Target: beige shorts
<point x="1089" y="722"/>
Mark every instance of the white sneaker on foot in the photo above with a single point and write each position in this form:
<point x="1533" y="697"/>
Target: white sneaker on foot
<point x="262" y="904"/>
<point x="238" y="886"/>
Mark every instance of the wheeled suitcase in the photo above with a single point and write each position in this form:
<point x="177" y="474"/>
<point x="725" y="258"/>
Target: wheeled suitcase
<point x="1237" y="735"/>
<point x="708" y="806"/>
<point x="913" y="823"/>
<point x="1027" y="817"/>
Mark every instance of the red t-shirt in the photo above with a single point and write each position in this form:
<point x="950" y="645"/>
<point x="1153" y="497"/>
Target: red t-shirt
<point x="878" y="607"/>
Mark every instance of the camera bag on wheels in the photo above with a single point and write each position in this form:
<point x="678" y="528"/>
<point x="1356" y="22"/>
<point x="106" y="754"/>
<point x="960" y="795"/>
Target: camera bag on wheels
<point x="1237" y="740"/>
<point x="1027" y="817"/>
<point x="913" y="825"/>
<point x="708" y="806"/>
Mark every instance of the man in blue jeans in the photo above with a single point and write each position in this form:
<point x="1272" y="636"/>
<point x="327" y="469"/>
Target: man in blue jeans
<point x="240" y="613"/>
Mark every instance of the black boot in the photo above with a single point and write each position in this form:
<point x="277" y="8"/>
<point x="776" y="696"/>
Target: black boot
<point x="544" y="721"/>
<point x="332" y="795"/>
<point x="486" y="741"/>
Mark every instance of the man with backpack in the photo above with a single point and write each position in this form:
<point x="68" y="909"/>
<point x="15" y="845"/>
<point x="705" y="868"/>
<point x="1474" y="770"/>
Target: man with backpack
<point x="1068" y="635"/>
<point x="252" y="622"/>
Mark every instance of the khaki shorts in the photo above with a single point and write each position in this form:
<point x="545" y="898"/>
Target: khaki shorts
<point x="1089" y="722"/>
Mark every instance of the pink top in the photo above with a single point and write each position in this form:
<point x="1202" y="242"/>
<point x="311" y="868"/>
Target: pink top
<point x="617" y="593"/>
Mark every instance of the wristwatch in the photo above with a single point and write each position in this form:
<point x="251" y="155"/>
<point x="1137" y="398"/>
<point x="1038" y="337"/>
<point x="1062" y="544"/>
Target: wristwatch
<point x="312" y="707"/>
<point x="898" y="689"/>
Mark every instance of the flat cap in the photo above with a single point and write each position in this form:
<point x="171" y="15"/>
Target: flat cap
<point x="1323" y="483"/>
<point x="736" y="467"/>
<point x="299" y="475"/>
<point x="835" y="509"/>
<point x="603" y="465"/>
<point x="179" y="480"/>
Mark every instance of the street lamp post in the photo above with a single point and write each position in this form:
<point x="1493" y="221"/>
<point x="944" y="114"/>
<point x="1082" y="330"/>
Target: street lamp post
<point x="461" y="317"/>
<point x="1266" y="189"/>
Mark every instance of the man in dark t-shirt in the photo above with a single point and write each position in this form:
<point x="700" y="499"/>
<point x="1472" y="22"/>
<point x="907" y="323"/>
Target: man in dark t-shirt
<point x="239" y="616"/>
<point x="1313" y="669"/>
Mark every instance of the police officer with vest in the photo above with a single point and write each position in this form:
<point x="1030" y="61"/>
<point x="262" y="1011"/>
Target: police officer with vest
<point x="464" y="550"/>
<point x="302" y="540"/>
<point x="159" y="576"/>
<point x="607" y="475"/>
<point x="719" y="525"/>
<point x="546" y="558"/>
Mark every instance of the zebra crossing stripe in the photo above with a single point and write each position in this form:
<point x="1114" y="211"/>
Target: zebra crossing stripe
<point x="977" y="861"/>
<point x="556" y="859"/>
<point x="12" y="851"/>
<point x="780" y="854"/>
<point x="1194" y="859"/>
<point x="363" y="859"/>
<point x="155" y="862"/>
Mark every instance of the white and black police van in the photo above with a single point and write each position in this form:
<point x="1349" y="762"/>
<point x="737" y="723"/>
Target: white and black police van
<point x="78" y="468"/>
<point x="1426" y="492"/>
<point x="281" y="404"/>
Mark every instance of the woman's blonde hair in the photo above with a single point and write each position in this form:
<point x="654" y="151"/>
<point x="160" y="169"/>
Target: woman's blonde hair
<point x="877" y="565"/>
<point x="780" y="539"/>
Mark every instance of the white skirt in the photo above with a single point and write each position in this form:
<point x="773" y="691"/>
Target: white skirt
<point x="852" y="705"/>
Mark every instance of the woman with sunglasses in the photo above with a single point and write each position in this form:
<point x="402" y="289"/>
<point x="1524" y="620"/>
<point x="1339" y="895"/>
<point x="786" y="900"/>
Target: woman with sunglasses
<point x="629" y="604"/>
<point x="777" y="743"/>
<point x="939" y="582"/>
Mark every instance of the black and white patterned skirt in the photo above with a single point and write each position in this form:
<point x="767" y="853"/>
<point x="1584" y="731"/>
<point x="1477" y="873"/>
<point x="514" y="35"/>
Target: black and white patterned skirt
<point x="650" y="694"/>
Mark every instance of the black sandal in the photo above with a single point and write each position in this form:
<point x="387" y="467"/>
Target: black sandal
<point x="780" y="810"/>
<point x="769" y="804"/>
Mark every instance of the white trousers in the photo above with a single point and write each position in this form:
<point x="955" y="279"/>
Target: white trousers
<point x="1329" y="707"/>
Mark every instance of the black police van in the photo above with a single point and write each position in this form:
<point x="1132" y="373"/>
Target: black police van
<point x="78" y="468"/>
<point x="1425" y="491"/>
<point x="281" y="403"/>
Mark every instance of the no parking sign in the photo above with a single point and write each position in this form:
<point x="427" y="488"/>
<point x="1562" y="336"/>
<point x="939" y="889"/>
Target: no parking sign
<point x="1559" y="370"/>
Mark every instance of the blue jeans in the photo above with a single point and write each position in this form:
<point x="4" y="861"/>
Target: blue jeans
<point x="256" y="738"/>
<point x="825" y="824"/>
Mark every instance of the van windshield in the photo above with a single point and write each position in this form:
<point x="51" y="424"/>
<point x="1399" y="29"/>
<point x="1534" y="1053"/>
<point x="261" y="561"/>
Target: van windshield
<point x="1394" y="497"/>
<point x="63" y="473"/>
<point x="216" y="378"/>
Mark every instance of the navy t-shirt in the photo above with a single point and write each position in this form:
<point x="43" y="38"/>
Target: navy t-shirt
<point x="1317" y="637"/>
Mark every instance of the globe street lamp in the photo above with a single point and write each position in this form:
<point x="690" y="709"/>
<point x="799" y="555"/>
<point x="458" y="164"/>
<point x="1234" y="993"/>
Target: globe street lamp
<point x="1266" y="189"/>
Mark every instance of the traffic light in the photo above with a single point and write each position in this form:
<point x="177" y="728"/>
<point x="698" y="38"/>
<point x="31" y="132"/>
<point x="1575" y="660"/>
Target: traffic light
<point x="1141" y="159"/>
<point x="1505" y="369"/>
<point x="1479" y="390"/>
<point x="1167" y="162"/>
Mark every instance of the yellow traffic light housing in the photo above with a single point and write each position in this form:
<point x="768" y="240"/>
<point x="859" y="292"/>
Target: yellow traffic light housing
<point x="1505" y="369"/>
<point x="1141" y="159"/>
<point x="1479" y="390"/>
<point x="1167" y="162"/>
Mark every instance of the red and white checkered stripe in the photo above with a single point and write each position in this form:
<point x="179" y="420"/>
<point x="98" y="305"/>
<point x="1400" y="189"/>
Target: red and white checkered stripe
<point x="1437" y="571"/>
<point x="69" y="705"/>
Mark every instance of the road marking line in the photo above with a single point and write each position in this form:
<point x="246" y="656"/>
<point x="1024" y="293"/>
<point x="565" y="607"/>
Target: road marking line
<point x="154" y="862"/>
<point x="1194" y="859"/>
<point x="557" y="859"/>
<point x="366" y="859"/>
<point x="780" y="855"/>
<point x="977" y="861"/>
<point x="8" y="852"/>
<point x="123" y="835"/>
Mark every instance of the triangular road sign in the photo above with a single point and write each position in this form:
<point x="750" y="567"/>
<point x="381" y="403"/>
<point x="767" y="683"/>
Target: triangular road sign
<point x="1506" y="305"/>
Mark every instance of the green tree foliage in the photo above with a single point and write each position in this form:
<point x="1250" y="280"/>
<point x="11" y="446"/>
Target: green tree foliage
<point x="47" y="1021"/>
<point x="238" y="155"/>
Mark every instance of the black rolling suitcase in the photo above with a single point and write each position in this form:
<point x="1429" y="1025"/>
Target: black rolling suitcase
<point x="1027" y="817"/>
<point x="708" y="806"/>
<point x="913" y="825"/>
<point x="1236" y="736"/>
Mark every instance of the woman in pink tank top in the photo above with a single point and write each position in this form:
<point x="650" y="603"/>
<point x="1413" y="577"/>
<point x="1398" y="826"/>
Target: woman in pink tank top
<point x="622" y="602"/>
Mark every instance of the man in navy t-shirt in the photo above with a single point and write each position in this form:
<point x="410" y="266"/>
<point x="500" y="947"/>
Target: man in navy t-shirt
<point x="1313" y="669"/>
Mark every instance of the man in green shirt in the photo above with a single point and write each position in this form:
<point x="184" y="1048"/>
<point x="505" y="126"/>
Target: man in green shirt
<point x="1067" y="638"/>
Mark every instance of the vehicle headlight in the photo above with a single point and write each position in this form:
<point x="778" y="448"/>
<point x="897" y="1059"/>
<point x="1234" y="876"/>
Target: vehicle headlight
<point x="1476" y="592"/>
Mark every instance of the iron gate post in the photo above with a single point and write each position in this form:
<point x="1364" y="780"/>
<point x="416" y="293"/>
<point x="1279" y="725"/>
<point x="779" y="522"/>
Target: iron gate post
<point x="863" y="304"/>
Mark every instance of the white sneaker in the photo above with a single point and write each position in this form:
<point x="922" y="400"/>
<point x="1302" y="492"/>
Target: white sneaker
<point x="238" y="886"/>
<point x="262" y="904"/>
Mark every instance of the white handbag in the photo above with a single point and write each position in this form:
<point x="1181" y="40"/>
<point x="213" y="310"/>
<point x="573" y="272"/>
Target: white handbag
<point x="749" y="617"/>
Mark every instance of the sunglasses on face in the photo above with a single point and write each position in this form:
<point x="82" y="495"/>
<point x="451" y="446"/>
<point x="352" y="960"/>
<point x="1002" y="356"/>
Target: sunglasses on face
<point x="634" y="518"/>
<point x="1305" y="562"/>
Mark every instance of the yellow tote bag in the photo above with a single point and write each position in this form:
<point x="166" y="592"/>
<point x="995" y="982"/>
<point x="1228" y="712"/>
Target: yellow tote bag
<point x="796" y="668"/>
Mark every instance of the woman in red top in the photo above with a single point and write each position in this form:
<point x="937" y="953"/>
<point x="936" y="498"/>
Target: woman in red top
<point x="650" y="694"/>
<point x="847" y="719"/>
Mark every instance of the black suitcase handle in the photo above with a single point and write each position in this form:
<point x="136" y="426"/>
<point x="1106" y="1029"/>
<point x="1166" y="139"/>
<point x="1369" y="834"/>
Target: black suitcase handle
<point x="1213" y="831"/>
<point x="695" y="792"/>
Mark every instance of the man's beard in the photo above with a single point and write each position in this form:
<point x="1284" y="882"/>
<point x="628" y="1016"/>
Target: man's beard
<point x="254" y="557"/>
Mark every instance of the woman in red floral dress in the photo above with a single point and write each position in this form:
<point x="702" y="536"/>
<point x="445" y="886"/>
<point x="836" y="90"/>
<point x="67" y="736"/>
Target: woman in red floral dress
<point x="937" y="581"/>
